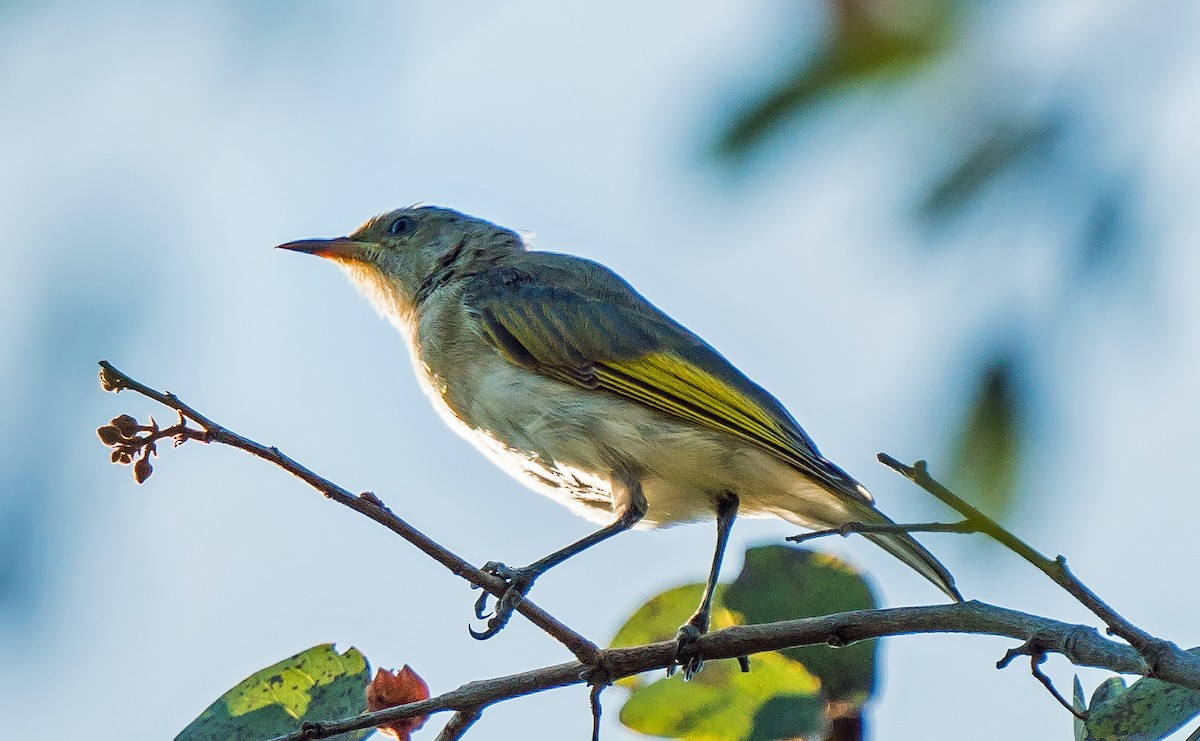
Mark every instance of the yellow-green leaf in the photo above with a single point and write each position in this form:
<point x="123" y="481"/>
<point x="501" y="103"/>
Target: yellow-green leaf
<point x="660" y="617"/>
<point x="315" y="685"/>
<point x="989" y="451"/>
<point x="721" y="703"/>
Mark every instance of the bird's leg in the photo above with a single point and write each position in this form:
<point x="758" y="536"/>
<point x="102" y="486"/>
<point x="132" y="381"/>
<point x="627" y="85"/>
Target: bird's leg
<point x="697" y="624"/>
<point x="630" y="506"/>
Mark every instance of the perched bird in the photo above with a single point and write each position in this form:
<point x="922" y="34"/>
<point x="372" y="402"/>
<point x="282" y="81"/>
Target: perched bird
<point x="562" y="374"/>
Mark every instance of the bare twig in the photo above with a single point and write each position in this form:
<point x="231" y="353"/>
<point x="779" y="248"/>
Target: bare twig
<point x="1165" y="659"/>
<point x="1037" y="654"/>
<point x="1036" y="669"/>
<point x="366" y="504"/>
<point x="846" y="529"/>
<point x="1081" y="645"/>
<point x="597" y="711"/>
<point x="459" y="724"/>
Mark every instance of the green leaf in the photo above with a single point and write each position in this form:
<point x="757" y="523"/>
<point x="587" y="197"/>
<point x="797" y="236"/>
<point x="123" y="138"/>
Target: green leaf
<point x="722" y="703"/>
<point x="789" y="716"/>
<point x="659" y="619"/>
<point x="1148" y="710"/>
<point x="1078" y="703"/>
<point x="785" y="583"/>
<point x="661" y="615"/>
<point x="863" y="46"/>
<point x="989" y="452"/>
<point x="1107" y="690"/>
<point x="315" y="685"/>
<point x="1006" y="145"/>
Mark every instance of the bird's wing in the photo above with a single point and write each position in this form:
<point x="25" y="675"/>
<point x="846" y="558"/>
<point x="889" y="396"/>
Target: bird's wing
<point x="576" y="321"/>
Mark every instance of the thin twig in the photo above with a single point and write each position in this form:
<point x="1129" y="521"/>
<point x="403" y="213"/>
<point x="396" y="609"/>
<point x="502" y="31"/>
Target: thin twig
<point x="847" y="529"/>
<point x="1036" y="651"/>
<point x="366" y="504"/>
<point x="459" y="724"/>
<point x="597" y="710"/>
<point x="1081" y="645"/>
<point x="1164" y="658"/>
<point x="1036" y="670"/>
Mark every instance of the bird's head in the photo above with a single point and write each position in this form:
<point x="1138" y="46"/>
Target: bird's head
<point x="399" y="257"/>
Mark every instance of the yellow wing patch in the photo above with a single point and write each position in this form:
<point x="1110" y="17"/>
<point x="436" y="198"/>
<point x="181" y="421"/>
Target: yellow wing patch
<point x="684" y="390"/>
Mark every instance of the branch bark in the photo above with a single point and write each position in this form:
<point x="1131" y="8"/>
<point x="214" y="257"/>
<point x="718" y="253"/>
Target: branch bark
<point x="1164" y="659"/>
<point x="1081" y="645"/>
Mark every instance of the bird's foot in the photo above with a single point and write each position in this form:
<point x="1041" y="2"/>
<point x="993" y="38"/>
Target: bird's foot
<point x="686" y="655"/>
<point x="519" y="581"/>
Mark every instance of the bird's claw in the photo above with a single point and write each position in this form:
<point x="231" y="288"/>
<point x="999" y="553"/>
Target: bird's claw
<point x="686" y="655"/>
<point x="519" y="581"/>
<point x="481" y="612"/>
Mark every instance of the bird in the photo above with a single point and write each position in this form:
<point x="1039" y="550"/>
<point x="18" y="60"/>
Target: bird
<point x="563" y="375"/>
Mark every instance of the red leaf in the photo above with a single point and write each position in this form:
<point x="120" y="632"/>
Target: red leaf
<point x="391" y="688"/>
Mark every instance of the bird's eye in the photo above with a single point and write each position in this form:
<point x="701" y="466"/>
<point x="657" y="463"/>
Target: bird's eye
<point x="402" y="225"/>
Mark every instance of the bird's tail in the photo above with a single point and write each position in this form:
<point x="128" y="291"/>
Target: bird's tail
<point x="906" y="548"/>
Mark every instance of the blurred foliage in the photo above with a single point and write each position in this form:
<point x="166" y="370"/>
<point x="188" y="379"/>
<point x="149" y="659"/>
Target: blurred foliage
<point x="1003" y="145"/>
<point x="989" y="448"/>
<point x="1147" y="710"/>
<point x="795" y="693"/>
<point x="315" y="685"/>
<point x="1040" y="159"/>
<point x="867" y="40"/>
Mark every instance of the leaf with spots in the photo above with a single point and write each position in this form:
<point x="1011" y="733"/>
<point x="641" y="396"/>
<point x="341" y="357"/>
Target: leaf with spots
<point x="1148" y="710"/>
<point x="315" y="685"/>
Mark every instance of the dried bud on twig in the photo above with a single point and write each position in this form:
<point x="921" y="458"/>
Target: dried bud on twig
<point x="136" y="443"/>
<point x="142" y="470"/>
<point x="127" y="425"/>
<point x="110" y="435"/>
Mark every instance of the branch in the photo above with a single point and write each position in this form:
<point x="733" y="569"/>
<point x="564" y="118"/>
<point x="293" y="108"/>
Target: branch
<point x="1037" y="656"/>
<point x="1082" y="645"/>
<point x="846" y="529"/>
<point x="366" y="504"/>
<point x="459" y="724"/>
<point x="1164" y="659"/>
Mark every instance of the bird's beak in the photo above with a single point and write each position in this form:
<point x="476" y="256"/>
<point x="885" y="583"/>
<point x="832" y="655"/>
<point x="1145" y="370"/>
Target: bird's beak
<point x="340" y="248"/>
